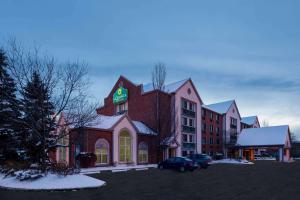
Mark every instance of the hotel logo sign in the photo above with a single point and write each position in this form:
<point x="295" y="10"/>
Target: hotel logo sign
<point x="120" y="95"/>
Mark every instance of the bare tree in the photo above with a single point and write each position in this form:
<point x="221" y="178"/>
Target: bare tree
<point x="66" y="83"/>
<point x="159" y="75"/>
<point x="265" y="123"/>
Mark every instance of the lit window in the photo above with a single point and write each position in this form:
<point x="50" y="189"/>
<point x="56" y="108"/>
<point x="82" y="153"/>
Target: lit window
<point x="125" y="147"/>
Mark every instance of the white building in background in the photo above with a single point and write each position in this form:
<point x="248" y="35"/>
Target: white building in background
<point x="275" y="138"/>
<point x="231" y="124"/>
<point x="250" y="122"/>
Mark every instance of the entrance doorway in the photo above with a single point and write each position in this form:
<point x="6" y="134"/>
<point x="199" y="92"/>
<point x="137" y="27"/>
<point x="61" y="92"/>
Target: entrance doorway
<point x="172" y="152"/>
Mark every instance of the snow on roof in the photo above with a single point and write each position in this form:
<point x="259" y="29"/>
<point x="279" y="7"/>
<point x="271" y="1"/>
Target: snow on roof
<point x="272" y="135"/>
<point x="107" y="122"/>
<point x="249" y="120"/>
<point x="170" y="88"/>
<point x="221" y="107"/>
<point x="104" y="122"/>
<point x="142" y="128"/>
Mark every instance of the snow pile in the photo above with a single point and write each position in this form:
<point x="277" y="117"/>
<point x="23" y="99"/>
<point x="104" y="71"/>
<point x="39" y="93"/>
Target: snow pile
<point x="51" y="182"/>
<point x="119" y="167"/>
<point x="232" y="161"/>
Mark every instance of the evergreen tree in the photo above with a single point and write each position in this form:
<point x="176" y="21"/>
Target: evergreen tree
<point x="38" y="111"/>
<point x="9" y="112"/>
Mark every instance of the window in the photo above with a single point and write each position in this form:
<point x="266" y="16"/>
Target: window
<point x="101" y="151"/>
<point x="184" y="121"/>
<point x="191" y="122"/>
<point x="191" y="138"/>
<point x="233" y="121"/>
<point x="211" y="116"/>
<point x="217" y="130"/>
<point x="184" y="153"/>
<point x="184" y="104"/>
<point x="218" y="141"/>
<point x="191" y="106"/>
<point x="203" y="140"/>
<point x="217" y="117"/>
<point x="188" y="122"/>
<point x="203" y="127"/>
<point x="211" y="141"/>
<point x="188" y="105"/>
<point x="143" y="152"/>
<point x="184" y="137"/>
<point x="62" y="151"/>
<point x="125" y="147"/>
<point x="211" y="128"/>
<point x="122" y="108"/>
<point x="203" y="112"/>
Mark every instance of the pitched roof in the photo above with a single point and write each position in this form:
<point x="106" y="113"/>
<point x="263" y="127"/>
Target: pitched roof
<point x="250" y="120"/>
<point x="104" y="122"/>
<point x="221" y="107"/>
<point x="142" y="128"/>
<point x="272" y="135"/>
<point x="108" y="122"/>
<point x="169" y="88"/>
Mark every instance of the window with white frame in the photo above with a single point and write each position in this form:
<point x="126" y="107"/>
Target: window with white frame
<point x="101" y="151"/>
<point x="143" y="152"/>
<point x="121" y="108"/>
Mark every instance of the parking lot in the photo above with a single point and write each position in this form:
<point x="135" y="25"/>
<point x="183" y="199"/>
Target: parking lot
<point x="263" y="180"/>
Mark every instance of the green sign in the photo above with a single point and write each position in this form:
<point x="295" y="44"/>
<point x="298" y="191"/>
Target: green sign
<point x="120" y="95"/>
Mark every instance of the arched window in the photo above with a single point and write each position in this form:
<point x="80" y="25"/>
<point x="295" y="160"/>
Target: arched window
<point x="143" y="152"/>
<point x="125" y="147"/>
<point x="102" y="152"/>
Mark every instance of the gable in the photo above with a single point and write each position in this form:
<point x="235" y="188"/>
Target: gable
<point x="188" y="91"/>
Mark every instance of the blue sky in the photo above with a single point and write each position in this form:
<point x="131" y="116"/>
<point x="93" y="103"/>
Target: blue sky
<point x="244" y="50"/>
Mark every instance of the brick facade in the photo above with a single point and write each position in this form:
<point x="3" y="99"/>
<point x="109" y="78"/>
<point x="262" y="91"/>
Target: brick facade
<point x="209" y="118"/>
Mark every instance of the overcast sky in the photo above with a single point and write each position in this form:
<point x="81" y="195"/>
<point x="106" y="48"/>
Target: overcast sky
<point x="244" y="50"/>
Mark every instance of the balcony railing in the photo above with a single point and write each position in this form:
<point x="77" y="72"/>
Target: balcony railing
<point x="189" y="113"/>
<point x="188" y="129"/>
<point x="186" y="145"/>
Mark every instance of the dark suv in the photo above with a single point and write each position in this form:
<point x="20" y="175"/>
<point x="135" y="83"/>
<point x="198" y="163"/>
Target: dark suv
<point x="202" y="160"/>
<point x="179" y="163"/>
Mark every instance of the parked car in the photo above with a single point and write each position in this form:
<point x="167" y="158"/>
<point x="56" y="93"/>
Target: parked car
<point x="179" y="163"/>
<point x="202" y="160"/>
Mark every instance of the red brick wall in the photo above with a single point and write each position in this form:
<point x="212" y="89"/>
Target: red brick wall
<point x="142" y="107"/>
<point x="206" y="134"/>
<point x="152" y="147"/>
<point x="90" y="138"/>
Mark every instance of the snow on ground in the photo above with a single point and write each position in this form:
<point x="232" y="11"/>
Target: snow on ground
<point x="265" y="158"/>
<point x="117" y="168"/>
<point x="52" y="182"/>
<point x="232" y="161"/>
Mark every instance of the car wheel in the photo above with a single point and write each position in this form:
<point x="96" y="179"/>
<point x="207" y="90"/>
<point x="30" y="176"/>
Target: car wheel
<point x="181" y="169"/>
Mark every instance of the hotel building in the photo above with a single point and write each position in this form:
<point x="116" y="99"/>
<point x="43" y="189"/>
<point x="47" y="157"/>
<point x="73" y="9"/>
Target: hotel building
<point x="139" y="124"/>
